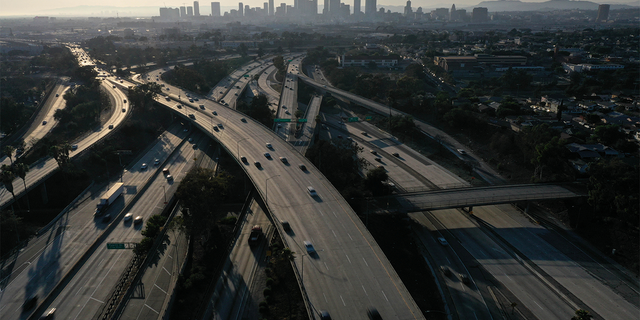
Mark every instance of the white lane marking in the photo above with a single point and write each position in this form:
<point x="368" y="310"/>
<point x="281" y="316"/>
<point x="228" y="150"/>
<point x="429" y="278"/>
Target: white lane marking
<point x="538" y="305"/>
<point x="365" y="261"/>
<point x="344" y="304"/>
<point x="385" y="296"/>
<point x="349" y="236"/>
<point x="146" y="305"/>
<point x="92" y="298"/>
<point x="325" y="297"/>
<point x="334" y="234"/>
<point x="475" y="315"/>
<point x="348" y="258"/>
<point x="155" y="285"/>
<point x="334" y="214"/>
<point x="167" y="271"/>
<point x="365" y="290"/>
<point x="325" y="265"/>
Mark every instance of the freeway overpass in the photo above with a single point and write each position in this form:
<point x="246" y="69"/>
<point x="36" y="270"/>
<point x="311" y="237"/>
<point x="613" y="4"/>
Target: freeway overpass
<point x="469" y="197"/>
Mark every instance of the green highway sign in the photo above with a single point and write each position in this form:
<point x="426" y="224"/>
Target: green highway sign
<point x="281" y="120"/>
<point x="353" y="119"/>
<point x="302" y="120"/>
<point x="115" y="245"/>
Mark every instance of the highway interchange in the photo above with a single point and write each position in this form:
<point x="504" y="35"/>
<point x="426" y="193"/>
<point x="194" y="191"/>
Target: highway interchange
<point x="339" y="277"/>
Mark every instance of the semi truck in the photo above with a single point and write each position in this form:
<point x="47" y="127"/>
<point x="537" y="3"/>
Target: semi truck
<point x="109" y="197"/>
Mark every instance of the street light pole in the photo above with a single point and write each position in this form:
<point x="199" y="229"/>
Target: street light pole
<point x="238" y="147"/>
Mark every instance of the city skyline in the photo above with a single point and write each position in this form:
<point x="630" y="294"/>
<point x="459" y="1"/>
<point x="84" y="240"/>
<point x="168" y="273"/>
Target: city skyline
<point x="49" y="8"/>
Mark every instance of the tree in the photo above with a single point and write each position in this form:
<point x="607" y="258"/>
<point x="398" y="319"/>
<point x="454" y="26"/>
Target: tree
<point x="374" y="181"/>
<point x="8" y="151"/>
<point x="582" y="315"/>
<point x="7" y="175"/>
<point x="154" y="223"/>
<point x="372" y="64"/>
<point x="608" y="134"/>
<point x="61" y="154"/>
<point x="21" y="170"/>
<point x="144" y="95"/>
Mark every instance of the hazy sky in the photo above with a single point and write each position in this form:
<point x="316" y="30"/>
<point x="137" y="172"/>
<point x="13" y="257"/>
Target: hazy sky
<point x="33" y="7"/>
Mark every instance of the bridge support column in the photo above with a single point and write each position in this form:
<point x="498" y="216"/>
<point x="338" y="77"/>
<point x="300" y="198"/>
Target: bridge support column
<point x="470" y="209"/>
<point x="45" y="198"/>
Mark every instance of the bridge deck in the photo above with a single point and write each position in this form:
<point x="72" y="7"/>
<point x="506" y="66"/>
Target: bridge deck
<point x="465" y="197"/>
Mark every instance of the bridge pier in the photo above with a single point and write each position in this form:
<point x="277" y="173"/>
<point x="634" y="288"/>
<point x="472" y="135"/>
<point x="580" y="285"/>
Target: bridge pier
<point x="470" y="210"/>
<point x="45" y="198"/>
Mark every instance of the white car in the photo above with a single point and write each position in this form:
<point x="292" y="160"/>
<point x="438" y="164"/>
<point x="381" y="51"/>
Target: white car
<point x="443" y="241"/>
<point x="128" y="216"/>
<point x="269" y="146"/>
<point x="137" y="220"/>
<point x="143" y="166"/>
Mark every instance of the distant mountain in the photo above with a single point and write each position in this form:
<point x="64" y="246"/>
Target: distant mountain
<point x="497" y="6"/>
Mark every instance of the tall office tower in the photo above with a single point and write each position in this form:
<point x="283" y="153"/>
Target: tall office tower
<point x="325" y="9"/>
<point x="283" y="8"/>
<point x="479" y="15"/>
<point x="240" y="9"/>
<point x="196" y="8"/>
<point x="370" y="7"/>
<point x="189" y="11"/>
<point x="603" y="12"/>
<point x="215" y="9"/>
<point x="334" y="7"/>
<point x="453" y="16"/>
<point x="266" y="8"/>
<point x="247" y="10"/>
<point x="356" y="7"/>
<point x="272" y="8"/>
<point x="183" y="12"/>
<point x="407" y="9"/>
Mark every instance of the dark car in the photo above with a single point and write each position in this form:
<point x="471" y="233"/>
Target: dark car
<point x="258" y="165"/>
<point x="324" y="315"/>
<point x="30" y="303"/>
<point x="373" y="314"/>
<point x="445" y="270"/>
<point x="285" y="225"/>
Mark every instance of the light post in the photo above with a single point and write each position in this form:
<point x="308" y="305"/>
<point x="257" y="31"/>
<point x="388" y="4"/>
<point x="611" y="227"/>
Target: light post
<point x="238" y="146"/>
<point x="266" y="187"/>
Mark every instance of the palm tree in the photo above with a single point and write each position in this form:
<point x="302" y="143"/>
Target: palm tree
<point x="21" y="170"/>
<point x="8" y="151"/>
<point x="7" y="177"/>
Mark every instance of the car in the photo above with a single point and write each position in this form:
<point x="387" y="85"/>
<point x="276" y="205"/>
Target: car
<point x="190" y="100"/>
<point x="57" y="94"/>
<point x="74" y="147"/>
<point x="287" y="112"/>
<point x="143" y="166"/>
<point x="114" y="86"/>
<point x="124" y="110"/>
<point x="395" y="154"/>
<point x="49" y="315"/>
<point x="443" y="241"/>
<point x="190" y="139"/>
<point x="340" y="122"/>
<point x="284" y="107"/>
<point x="364" y="133"/>
<point x="110" y="126"/>
<point x="106" y="218"/>
<point x="137" y="220"/>
<point x="285" y="225"/>
<point x="128" y="216"/>
<point x="257" y="164"/>
<point x="243" y="159"/>
<point x="267" y="155"/>
<point x="324" y="315"/>
<point x="192" y="116"/>
<point x="44" y="122"/>
<point x="216" y="129"/>
<point x="373" y="314"/>
<point x="339" y="137"/>
<point x="156" y="162"/>
<point x="378" y="159"/>
<point x="125" y="100"/>
<point x="302" y="167"/>
<point x="269" y="146"/>
<point x="220" y="126"/>
<point x="243" y="120"/>
<point x="461" y="151"/>
<point x="309" y="247"/>
<point x="165" y="171"/>
<point x="215" y="113"/>
<point x="279" y="126"/>
<point x="196" y="99"/>
<point x="312" y="191"/>
<point x="169" y="177"/>
<point x="202" y="106"/>
<point x="373" y="152"/>
<point x="445" y="270"/>
<point x="464" y="278"/>
<point x="284" y="160"/>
